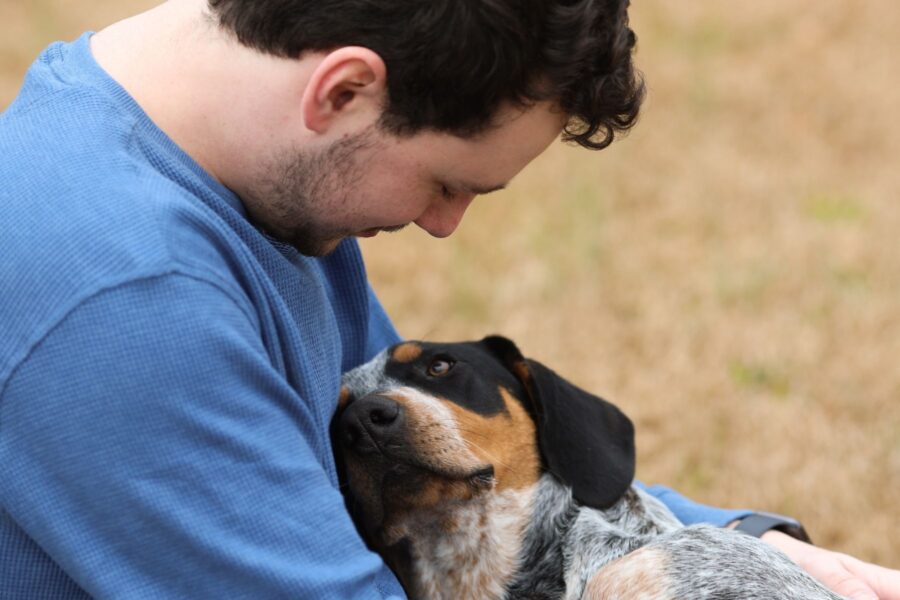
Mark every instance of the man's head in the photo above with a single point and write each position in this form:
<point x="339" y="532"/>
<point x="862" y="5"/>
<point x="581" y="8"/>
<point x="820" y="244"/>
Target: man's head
<point x="371" y="180"/>
<point x="417" y="107"/>
<point x="452" y="64"/>
<point x="334" y="118"/>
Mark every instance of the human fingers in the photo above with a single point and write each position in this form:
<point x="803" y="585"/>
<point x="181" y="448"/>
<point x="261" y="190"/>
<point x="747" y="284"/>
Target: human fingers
<point x="883" y="581"/>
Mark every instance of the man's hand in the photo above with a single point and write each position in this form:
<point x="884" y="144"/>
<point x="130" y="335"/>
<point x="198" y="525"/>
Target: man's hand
<point x="844" y="574"/>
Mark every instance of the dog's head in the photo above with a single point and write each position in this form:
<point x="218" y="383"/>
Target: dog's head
<point x="426" y="424"/>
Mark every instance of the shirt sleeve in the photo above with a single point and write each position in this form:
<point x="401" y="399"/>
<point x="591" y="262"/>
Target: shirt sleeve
<point x="691" y="513"/>
<point x="152" y="451"/>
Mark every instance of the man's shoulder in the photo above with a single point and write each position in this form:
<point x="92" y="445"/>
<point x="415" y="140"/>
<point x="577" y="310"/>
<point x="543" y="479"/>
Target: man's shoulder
<point x="94" y="210"/>
<point x="90" y="187"/>
<point x="83" y="211"/>
<point x="64" y="247"/>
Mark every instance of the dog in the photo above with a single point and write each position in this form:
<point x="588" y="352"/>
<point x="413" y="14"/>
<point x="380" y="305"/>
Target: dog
<point x="479" y="474"/>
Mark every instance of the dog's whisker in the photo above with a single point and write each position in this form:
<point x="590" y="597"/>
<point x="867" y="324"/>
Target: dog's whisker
<point x="474" y="432"/>
<point x="452" y="423"/>
<point x="489" y="454"/>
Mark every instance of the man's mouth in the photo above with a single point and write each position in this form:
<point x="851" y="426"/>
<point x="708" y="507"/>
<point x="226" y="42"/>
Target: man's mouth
<point x="369" y="232"/>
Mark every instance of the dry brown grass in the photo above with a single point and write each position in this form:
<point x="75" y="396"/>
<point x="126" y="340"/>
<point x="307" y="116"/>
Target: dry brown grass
<point x="729" y="274"/>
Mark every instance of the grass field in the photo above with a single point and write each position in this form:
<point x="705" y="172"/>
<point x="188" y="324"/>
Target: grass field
<point x="729" y="274"/>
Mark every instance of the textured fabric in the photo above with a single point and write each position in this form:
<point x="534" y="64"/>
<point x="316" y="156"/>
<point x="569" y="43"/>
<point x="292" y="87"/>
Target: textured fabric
<point x="167" y="373"/>
<point x="692" y="513"/>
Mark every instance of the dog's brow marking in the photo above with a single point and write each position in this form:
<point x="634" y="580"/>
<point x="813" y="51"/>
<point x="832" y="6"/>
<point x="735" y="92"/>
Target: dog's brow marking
<point x="344" y="396"/>
<point x="407" y="352"/>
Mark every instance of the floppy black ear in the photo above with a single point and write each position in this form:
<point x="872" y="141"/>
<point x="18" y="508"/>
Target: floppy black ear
<point x="585" y="441"/>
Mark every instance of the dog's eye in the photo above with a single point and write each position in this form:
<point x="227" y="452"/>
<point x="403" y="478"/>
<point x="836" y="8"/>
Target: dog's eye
<point x="440" y="366"/>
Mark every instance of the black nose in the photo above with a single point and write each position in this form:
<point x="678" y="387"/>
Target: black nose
<point x="370" y="423"/>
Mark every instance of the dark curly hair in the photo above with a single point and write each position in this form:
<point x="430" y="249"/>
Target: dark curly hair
<point x="452" y="63"/>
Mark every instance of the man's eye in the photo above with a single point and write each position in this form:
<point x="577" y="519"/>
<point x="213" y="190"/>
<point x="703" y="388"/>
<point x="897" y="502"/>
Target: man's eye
<point x="440" y="367"/>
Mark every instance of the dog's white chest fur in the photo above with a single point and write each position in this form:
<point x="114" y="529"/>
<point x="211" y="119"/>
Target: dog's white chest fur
<point x="476" y="551"/>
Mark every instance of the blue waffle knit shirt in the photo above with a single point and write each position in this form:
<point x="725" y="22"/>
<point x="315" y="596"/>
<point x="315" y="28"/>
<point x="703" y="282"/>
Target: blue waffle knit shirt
<point x="167" y="372"/>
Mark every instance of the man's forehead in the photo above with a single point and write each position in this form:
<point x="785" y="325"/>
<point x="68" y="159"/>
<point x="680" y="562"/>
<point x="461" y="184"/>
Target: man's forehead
<point x="487" y="161"/>
<point x="528" y="130"/>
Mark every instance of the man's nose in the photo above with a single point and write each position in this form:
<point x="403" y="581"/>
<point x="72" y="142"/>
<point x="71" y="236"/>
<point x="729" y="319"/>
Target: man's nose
<point x="444" y="215"/>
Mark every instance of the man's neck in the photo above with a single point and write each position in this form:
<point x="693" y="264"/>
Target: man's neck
<point x="218" y="100"/>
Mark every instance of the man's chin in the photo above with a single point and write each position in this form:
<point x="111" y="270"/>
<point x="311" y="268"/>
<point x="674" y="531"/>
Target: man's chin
<point x="318" y="248"/>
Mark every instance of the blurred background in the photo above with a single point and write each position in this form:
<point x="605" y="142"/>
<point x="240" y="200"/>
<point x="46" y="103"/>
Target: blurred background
<point x="729" y="274"/>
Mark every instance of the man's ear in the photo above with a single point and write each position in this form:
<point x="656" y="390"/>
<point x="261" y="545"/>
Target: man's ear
<point x="349" y="80"/>
<point x="585" y="441"/>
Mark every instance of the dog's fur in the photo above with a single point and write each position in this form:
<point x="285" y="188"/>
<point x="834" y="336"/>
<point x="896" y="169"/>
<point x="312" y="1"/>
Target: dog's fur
<point x="480" y="474"/>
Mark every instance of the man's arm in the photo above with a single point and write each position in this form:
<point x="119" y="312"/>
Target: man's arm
<point x="844" y="574"/>
<point x="150" y="448"/>
<point x="691" y="513"/>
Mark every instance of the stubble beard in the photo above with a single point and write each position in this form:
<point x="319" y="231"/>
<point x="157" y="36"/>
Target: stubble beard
<point x="300" y="187"/>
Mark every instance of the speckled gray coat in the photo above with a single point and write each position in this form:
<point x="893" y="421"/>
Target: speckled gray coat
<point x="567" y="545"/>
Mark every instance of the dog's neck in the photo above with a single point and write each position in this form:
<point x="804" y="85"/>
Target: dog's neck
<point x="468" y="549"/>
<point x="562" y="532"/>
<point x="511" y="544"/>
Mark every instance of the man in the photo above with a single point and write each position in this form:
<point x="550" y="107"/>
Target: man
<point x="182" y="290"/>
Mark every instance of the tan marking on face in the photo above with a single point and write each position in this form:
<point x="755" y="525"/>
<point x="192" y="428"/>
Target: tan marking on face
<point x="433" y="431"/>
<point x="344" y="397"/>
<point x="506" y="440"/>
<point x="640" y="574"/>
<point x="435" y="491"/>
<point x="426" y="498"/>
<point x="408" y="352"/>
